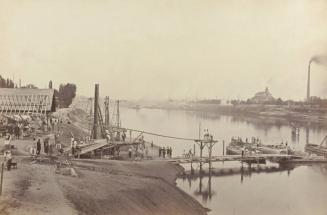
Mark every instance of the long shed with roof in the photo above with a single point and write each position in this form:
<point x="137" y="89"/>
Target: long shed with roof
<point x="27" y="101"/>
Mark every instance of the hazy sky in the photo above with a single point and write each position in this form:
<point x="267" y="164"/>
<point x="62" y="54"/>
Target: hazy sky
<point x="166" y="48"/>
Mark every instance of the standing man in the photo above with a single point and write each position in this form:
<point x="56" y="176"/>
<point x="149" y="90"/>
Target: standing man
<point x="38" y="146"/>
<point x="8" y="159"/>
<point x="243" y="149"/>
<point x="130" y="152"/>
<point x="72" y="146"/>
<point x="163" y="152"/>
<point x="171" y="152"/>
<point x="123" y="136"/>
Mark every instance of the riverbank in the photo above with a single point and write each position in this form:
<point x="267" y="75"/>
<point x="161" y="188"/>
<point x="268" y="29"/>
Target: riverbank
<point x="102" y="186"/>
<point x="275" y="114"/>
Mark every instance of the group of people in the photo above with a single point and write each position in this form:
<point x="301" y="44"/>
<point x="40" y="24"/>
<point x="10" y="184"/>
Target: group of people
<point x="138" y="151"/>
<point x="115" y="136"/>
<point x="76" y="142"/>
<point x="48" y="147"/>
<point x="165" y="152"/>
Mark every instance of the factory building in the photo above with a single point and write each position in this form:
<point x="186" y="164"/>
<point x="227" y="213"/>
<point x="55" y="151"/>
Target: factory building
<point x="262" y="97"/>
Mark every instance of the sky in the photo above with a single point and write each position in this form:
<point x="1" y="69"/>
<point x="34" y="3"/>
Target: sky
<point x="159" y="49"/>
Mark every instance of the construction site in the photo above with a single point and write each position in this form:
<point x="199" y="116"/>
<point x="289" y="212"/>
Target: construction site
<point x="82" y="160"/>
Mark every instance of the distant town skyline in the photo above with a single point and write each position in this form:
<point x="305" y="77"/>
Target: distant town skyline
<point x="166" y="49"/>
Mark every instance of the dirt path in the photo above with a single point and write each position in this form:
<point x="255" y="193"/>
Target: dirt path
<point x="33" y="189"/>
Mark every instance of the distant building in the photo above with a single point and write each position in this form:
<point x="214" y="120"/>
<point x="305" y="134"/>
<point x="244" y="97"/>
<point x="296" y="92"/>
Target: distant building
<point x="263" y="97"/>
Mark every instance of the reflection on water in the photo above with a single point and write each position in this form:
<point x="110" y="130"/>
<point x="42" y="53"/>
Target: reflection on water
<point x="204" y="189"/>
<point x="258" y="189"/>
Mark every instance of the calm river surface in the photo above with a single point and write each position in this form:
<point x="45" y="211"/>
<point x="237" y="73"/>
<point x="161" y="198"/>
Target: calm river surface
<point x="298" y="190"/>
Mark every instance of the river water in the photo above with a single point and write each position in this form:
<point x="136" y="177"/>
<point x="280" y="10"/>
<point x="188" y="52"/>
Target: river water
<point x="261" y="189"/>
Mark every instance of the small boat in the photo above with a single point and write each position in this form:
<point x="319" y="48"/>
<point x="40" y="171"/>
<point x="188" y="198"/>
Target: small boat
<point x="136" y="107"/>
<point x="235" y="150"/>
<point x="236" y="145"/>
<point x="275" y="149"/>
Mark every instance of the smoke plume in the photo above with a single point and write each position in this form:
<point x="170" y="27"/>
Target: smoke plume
<point x="319" y="59"/>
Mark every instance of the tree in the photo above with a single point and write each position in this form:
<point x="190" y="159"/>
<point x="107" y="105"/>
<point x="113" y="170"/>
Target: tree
<point x="66" y="94"/>
<point x="30" y="86"/>
<point x="6" y="83"/>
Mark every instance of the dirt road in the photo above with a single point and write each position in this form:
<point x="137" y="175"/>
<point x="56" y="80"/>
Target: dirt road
<point x="33" y="189"/>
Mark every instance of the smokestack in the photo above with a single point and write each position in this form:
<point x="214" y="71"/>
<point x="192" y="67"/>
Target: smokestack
<point x="308" y="84"/>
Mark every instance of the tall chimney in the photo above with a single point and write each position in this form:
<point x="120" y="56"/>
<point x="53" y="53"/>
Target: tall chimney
<point x="308" y="84"/>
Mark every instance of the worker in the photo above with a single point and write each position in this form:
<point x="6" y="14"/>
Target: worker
<point x="130" y="152"/>
<point x="50" y="148"/>
<point x="163" y="152"/>
<point x="160" y="151"/>
<point x="38" y="146"/>
<point x="74" y="147"/>
<point x="7" y="142"/>
<point x="46" y="145"/>
<point x="107" y="135"/>
<point x="243" y="150"/>
<point x="123" y="136"/>
<point x="8" y="159"/>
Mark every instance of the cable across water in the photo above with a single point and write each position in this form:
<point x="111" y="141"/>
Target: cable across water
<point x="160" y="135"/>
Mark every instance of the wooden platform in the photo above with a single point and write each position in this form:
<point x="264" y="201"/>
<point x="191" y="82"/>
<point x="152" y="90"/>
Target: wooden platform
<point x="98" y="144"/>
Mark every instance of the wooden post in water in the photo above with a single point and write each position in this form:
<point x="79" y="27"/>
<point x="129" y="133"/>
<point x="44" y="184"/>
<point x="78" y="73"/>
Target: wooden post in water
<point x="223" y="147"/>
<point x="210" y="153"/>
<point x="2" y="166"/>
<point x="201" y="148"/>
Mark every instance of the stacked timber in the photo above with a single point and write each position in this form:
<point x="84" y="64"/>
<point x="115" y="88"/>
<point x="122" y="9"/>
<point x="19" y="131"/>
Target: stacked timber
<point x="316" y="149"/>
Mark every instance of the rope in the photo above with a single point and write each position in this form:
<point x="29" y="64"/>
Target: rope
<point x="161" y="135"/>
